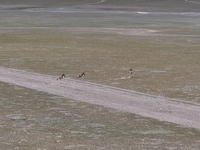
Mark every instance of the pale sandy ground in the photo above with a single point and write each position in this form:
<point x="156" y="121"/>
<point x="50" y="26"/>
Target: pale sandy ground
<point x="163" y="109"/>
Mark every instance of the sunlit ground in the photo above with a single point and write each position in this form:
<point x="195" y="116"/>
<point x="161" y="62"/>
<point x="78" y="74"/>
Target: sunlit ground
<point x="35" y="120"/>
<point x="162" y="49"/>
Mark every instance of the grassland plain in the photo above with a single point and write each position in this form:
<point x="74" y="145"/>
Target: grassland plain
<point x="163" y="52"/>
<point x="162" y="47"/>
<point x="32" y="120"/>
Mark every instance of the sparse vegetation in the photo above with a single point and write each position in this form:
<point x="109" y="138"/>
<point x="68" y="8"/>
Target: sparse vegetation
<point x="55" y="37"/>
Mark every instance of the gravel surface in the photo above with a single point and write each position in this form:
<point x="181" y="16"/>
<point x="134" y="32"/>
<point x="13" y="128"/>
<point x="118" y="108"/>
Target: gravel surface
<point x="161" y="108"/>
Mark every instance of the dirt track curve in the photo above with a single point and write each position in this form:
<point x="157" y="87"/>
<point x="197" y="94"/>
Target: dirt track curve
<point x="170" y="110"/>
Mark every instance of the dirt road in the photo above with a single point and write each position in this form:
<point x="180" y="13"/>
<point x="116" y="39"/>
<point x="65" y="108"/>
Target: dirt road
<point x="163" y="109"/>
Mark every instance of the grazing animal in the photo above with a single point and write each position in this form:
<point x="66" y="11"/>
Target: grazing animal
<point x="61" y="77"/>
<point x="82" y="75"/>
<point x="130" y="73"/>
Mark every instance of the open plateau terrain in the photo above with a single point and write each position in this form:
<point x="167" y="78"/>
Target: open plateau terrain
<point x="157" y="108"/>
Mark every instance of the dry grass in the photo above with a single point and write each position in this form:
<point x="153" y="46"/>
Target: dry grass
<point x="170" y="69"/>
<point x="105" y="46"/>
<point x="33" y="120"/>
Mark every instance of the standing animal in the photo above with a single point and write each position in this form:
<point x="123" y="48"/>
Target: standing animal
<point x="61" y="77"/>
<point x="130" y="73"/>
<point x="82" y="75"/>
